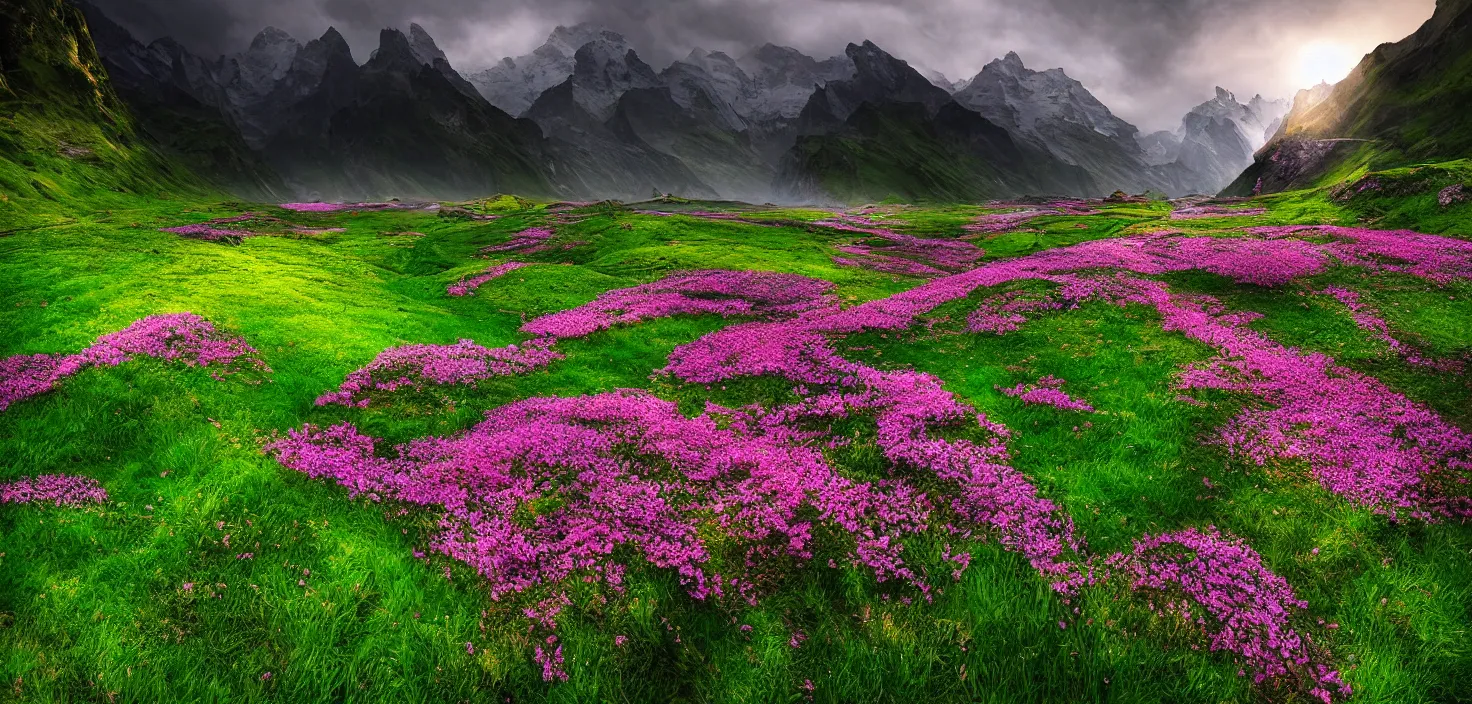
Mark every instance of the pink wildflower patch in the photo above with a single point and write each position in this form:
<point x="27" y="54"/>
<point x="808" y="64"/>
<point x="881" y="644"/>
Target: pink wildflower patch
<point x="1437" y="259"/>
<point x="1197" y="212"/>
<point x="1048" y="391"/>
<point x="465" y="287"/>
<point x="207" y="232"/>
<point x="54" y="489"/>
<point x="1004" y="313"/>
<point x="685" y="471"/>
<point x="717" y="292"/>
<point x="994" y="223"/>
<point x="1369" y="320"/>
<point x="1221" y="587"/>
<point x="179" y="337"/>
<point x="414" y="366"/>
<point x="532" y="239"/>
<point x="901" y="254"/>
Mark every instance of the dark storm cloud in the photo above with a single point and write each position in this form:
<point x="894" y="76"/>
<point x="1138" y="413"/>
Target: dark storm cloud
<point x="1150" y="60"/>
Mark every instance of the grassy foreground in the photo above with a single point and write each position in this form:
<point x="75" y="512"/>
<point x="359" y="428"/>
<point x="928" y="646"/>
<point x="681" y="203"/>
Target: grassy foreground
<point x="333" y="604"/>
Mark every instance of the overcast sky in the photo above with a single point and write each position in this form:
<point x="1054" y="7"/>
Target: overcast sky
<point x="1149" y="60"/>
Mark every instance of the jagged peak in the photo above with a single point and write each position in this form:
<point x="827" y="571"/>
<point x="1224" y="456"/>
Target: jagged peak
<point x="1225" y="95"/>
<point x="703" y="59"/>
<point x="271" y="36"/>
<point x="334" y="39"/>
<point x="781" y="58"/>
<point x="1009" y="65"/>
<point x="393" y="50"/>
<point x="423" y="45"/>
<point x="868" y="54"/>
<point x="568" y="40"/>
<point x="770" y="51"/>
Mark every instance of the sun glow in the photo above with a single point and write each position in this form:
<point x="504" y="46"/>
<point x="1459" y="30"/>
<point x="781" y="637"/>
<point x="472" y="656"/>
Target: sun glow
<point x="1324" y="61"/>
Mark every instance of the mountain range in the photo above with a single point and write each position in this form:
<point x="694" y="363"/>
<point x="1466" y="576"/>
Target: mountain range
<point x="583" y="116"/>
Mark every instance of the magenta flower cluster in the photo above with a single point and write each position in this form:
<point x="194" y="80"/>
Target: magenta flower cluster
<point x="1370" y="321"/>
<point x="1048" y="391"/>
<point x="207" y="232"/>
<point x="465" y="287"/>
<point x="1197" y="212"/>
<point x="553" y="489"/>
<point x="903" y="254"/>
<point x="414" y="366"/>
<point x="716" y="291"/>
<point x="993" y="223"/>
<point x="182" y="337"/>
<point x="1437" y="259"/>
<point x="1361" y="439"/>
<point x="54" y="489"/>
<point x="532" y="239"/>
<point x="1004" y="313"/>
<point x="1221" y="587"/>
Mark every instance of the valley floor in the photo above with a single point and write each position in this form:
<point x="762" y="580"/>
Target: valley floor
<point x="1169" y="459"/>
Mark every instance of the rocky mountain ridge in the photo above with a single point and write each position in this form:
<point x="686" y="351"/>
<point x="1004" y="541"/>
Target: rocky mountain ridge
<point x="584" y="115"/>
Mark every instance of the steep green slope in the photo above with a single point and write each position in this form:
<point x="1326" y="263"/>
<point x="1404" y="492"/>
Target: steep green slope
<point x="1405" y="103"/>
<point x="66" y="141"/>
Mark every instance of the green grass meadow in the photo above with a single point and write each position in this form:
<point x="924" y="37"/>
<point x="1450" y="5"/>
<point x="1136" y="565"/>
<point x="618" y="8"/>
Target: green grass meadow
<point x="335" y="606"/>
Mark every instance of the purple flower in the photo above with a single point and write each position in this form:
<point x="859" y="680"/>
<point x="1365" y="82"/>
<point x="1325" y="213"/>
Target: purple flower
<point x="465" y="287"/>
<point x="1049" y="392"/>
<point x="182" y="337"/>
<point x="205" y="232"/>
<point x="1197" y="212"/>
<point x="55" y="489"/>
<point x="527" y="241"/>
